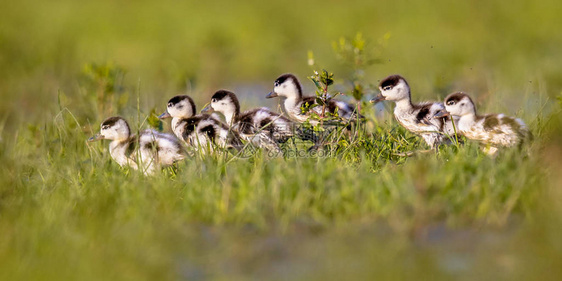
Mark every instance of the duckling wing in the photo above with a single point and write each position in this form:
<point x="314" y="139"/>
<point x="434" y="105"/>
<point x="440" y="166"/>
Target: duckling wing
<point x="307" y="104"/>
<point x="189" y="131"/>
<point x="345" y="110"/>
<point x="422" y="116"/>
<point x="221" y="134"/>
<point x="279" y="127"/>
<point x="264" y="120"/>
<point x="505" y="130"/>
<point x="170" y="150"/>
<point x="248" y="121"/>
<point x="148" y="151"/>
<point x="160" y="148"/>
<point x="261" y="140"/>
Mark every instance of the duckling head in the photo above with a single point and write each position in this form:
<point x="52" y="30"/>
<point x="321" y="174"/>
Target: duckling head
<point x="225" y="102"/>
<point x="179" y="107"/>
<point x="286" y="86"/>
<point x="113" y="128"/>
<point x="459" y="104"/>
<point x="393" y="88"/>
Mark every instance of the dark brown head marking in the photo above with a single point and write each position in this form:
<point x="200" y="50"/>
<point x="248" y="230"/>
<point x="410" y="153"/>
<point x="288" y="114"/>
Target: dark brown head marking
<point x="111" y="121"/>
<point x="221" y="94"/>
<point x="391" y="81"/>
<point x="177" y="99"/>
<point x="281" y="79"/>
<point x="454" y="98"/>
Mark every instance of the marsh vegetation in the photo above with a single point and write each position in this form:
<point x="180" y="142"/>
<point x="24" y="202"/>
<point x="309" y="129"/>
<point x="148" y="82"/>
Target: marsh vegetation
<point x="67" y="212"/>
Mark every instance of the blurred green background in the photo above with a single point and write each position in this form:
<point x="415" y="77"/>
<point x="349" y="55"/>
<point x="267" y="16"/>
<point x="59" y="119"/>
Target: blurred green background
<point x="169" y="47"/>
<point x="67" y="212"/>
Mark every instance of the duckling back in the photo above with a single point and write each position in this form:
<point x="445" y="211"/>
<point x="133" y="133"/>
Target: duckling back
<point x="159" y="148"/>
<point x="421" y="119"/>
<point x="264" y="121"/>
<point x="205" y="131"/>
<point x="498" y="129"/>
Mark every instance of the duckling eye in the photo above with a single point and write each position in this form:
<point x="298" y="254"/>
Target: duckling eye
<point x="276" y="84"/>
<point x="170" y="104"/>
<point x="213" y="100"/>
<point x="450" y="102"/>
<point x="387" y="88"/>
<point x="104" y="127"/>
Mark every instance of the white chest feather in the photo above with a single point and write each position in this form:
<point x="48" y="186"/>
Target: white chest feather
<point x="293" y="109"/>
<point x="119" y="152"/>
<point x="176" y="128"/>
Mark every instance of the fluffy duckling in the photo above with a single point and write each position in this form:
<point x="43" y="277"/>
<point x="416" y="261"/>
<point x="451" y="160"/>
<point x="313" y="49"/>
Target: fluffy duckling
<point x="147" y="150"/>
<point x="417" y="118"/>
<point x="271" y="126"/>
<point x="494" y="130"/>
<point x="198" y="130"/>
<point x="288" y="87"/>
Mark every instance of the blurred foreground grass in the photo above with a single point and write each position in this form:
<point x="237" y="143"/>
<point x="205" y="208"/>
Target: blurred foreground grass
<point x="68" y="212"/>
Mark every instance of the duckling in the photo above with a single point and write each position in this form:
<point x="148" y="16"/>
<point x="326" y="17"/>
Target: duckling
<point x="198" y="130"/>
<point x="288" y="87"/>
<point x="150" y="148"/>
<point x="272" y="127"/>
<point x="417" y="118"/>
<point x="493" y="130"/>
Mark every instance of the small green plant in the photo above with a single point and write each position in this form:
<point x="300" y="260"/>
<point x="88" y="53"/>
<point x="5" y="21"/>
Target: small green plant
<point x="356" y="55"/>
<point x="322" y="80"/>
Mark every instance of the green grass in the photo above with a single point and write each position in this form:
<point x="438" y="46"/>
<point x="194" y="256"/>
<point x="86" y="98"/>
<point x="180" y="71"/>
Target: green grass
<point x="68" y="212"/>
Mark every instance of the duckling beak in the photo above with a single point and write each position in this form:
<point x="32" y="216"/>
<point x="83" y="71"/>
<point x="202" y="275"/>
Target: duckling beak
<point x="164" y="115"/>
<point x="378" y="98"/>
<point x="441" y="114"/>
<point x="96" y="137"/>
<point x="271" y="95"/>
<point x="207" y="108"/>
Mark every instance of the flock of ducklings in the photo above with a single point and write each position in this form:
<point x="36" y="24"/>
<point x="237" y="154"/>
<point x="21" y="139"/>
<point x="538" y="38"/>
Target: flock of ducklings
<point x="435" y="122"/>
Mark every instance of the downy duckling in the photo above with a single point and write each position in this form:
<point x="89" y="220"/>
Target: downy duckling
<point x="287" y="86"/>
<point x="494" y="130"/>
<point x="417" y="118"/>
<point x="198" y="130"/>
<point x="272" y="127"/>
<point x="147" y="150"/>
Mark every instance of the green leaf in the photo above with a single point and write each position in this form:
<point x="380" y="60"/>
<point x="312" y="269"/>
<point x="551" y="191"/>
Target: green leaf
<point x="315" y="81"/>
<point x="153" y="120"/>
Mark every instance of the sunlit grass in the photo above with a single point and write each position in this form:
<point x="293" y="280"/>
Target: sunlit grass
<point x="66" y="203"/>
<point x="68" y="212"/>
